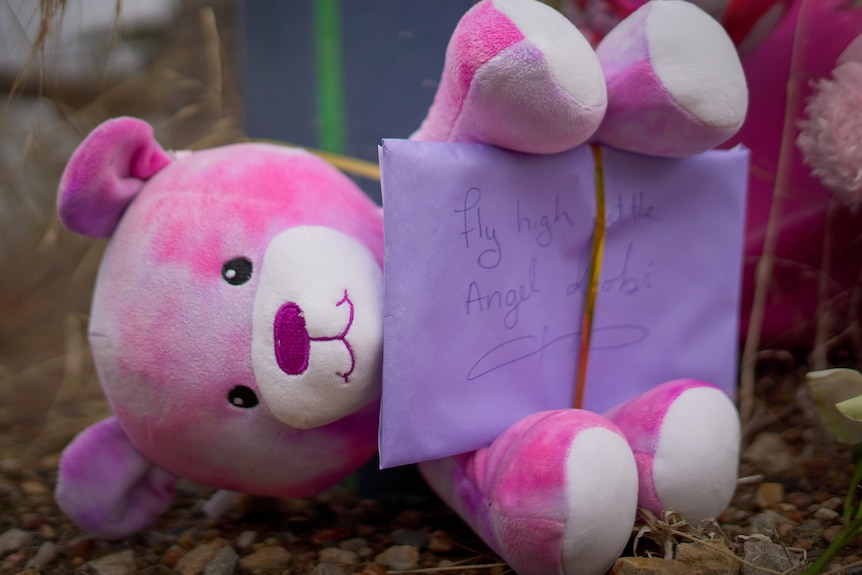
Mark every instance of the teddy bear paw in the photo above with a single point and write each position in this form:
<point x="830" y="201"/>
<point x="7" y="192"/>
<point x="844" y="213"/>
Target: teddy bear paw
<point x="675" y="84"/>
<point x="685" y="435"/>
<point x="520" y="76"/>
<point x="555" y="493"/>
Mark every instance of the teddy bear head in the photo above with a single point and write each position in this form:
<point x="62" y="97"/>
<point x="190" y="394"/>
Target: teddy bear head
<point x="237" y="315"/>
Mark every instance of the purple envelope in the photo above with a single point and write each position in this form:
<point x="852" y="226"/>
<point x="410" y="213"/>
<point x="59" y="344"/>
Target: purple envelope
<point x="487" y="256"/>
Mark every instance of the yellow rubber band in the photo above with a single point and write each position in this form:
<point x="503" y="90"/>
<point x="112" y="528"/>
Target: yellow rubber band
<point x="597" y="250"/>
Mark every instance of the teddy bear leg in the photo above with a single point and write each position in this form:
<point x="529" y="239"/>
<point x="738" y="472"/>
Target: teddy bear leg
<point x="556" y="493"/>
<point x="518" y="75"/>
<point x="675" y="84"/>
<point x="685" y="435"/>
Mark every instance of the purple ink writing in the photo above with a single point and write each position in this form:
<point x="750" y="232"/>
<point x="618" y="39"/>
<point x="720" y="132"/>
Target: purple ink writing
<point x="630" y="209"/>
<point x="543" y="225"/>
<point x="490" y="257"/>
<point x="622" y="280"/>
<point x="511" y="299"/>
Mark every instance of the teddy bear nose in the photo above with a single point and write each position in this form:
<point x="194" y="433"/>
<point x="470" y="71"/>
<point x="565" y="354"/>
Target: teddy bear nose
<point x="292" y="342"/>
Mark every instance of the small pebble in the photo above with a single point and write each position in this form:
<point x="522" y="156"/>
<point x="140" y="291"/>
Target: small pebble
<point x="327" y="535"/>
<point x="79" y="547"/>
<point x="399" y="557"/>
<point x="409" y="537"/>
<point x="246" y="539"/>
<point x="440" y="542"/>
<point x="767" y="521"/>
<point x="336" y="555"/>
<point x="806" y="544"/>
<point x="34" y="488"/>
<point x="223" y="562"/>
<point x="328" y="568"/>
<point x="771" y="453"/>
<point x="187" y="538"/>
<point x="33" y="520"/>
<point x="373" y="569"/>
<point x="13" y="540"/>
<point x="195" y="561"/>
<point x="44" y="556"/>
<point x="732" y="515"/>
<point x="264" y="560"/>
<point x="354" y="544"/>
<point x="761" y="556"/>
<point x="172" y="555"/>
<point x="408" y="519"/>
<point x="798" y="498"/>
<point x="783" y="529"/>
<point x="122" y="563"/>
<point x="47" y="532"/>
<point x="769" y="494"/>
<point x="13" y="561"/>
<point x="830" y="533"/>
<point x="706" y="559"/>
<point x="826" y="514"/>
<point x="812" y="530"/>
<point x="648" y="566"/>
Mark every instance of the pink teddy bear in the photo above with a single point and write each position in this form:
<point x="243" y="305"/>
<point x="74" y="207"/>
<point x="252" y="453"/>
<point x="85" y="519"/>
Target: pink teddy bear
<point x="237" y="316"/>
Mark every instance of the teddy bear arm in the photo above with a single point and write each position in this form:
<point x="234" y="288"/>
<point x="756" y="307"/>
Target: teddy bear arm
<point x="107" y="487"/>
<point x="675" y="84"/>
<point x="518" y="75"/>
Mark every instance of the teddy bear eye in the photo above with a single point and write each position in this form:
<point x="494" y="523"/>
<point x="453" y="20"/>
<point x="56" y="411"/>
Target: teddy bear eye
<point x="237" y="271"/>
<point x="242" y="396"/>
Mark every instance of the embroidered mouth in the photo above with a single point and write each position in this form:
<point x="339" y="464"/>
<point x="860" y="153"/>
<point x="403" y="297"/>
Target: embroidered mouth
<point x="293" y="343"/>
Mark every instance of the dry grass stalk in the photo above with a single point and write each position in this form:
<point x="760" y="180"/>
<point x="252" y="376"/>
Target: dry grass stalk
<point x="820" y="353"/>
<point x="667" y="529"/>
<point x="763" y="274"/>
<point x="48" y="385"/>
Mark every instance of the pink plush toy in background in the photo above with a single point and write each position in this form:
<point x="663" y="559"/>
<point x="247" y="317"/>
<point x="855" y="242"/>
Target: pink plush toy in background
<point x="236" y="321"/>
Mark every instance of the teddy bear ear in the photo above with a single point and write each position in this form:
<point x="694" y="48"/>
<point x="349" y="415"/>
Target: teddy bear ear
<point x="106" y="171"/>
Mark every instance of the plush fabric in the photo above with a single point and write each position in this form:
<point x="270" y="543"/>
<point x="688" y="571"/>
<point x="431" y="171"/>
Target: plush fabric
<point x="494" y="77"/>
<point x="186" y="351"/>
<point x="555" y="493"/>
<point x="107" y="486"/>
<point x="237" y="321"/>
<point x="106" y="174"/>
<point x="653" y="63"/>
<point x="685" y="439"/>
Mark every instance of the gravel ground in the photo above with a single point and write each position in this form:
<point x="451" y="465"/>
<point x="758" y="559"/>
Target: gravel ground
<point x="786" y="510"/>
